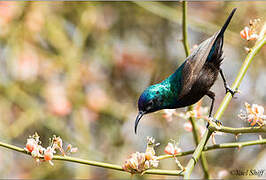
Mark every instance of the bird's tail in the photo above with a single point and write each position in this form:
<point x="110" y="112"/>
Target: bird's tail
<point x="216" y="51"/>
<point x="226" y="23"/>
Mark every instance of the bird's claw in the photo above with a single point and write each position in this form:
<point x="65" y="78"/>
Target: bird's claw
<point x="231" y="91"/>
<point x="217" y="122"/>
<point x="214" y="122"/>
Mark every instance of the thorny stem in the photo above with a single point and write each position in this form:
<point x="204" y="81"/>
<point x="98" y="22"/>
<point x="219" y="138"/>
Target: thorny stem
<point x="236" y="131"/>
<point x="190" y="108"/>
<point x="201" y="146"/>
<point x="149" y="171"/>
<point x="191" y="164"/>
<point x="217" y="146"/>
<point x="95" y="163"/>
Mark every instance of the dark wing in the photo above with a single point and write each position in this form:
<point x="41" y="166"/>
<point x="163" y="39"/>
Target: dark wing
<point x="194" y="63"/>
<point x="196" y="60"/>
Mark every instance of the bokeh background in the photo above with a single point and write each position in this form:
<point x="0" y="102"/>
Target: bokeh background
<point x="76" y="69"/>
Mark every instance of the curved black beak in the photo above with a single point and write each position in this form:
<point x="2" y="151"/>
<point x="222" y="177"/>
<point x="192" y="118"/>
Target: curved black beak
<point x="139" y="116"/>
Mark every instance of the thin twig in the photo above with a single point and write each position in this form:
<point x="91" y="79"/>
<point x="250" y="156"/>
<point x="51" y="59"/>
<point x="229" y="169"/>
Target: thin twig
<point x="217" y="146"/>
<point x="257" y="129"/>
<point x="149" y="171"/>
<point x="190" y="108"/>
<point x="259" y="44"/>
<point x="184" y="28"/>
<point x="95" y="163"/>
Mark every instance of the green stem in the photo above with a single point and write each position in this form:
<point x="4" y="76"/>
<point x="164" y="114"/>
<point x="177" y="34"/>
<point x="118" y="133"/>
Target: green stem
<point x="184" y="28"/>
<point x="240" y="75"/>
<point x="163" y="172"/>
<point x="217" y="146"/>
<point x="258" y="129"/>
<point x="203" y="159"/>
<point x="95" y="163"/>
<point x="259" y="44"/>
<point x="149" y="171"/>
<point x="192" y="162"/>
<point x="88" y="162"/>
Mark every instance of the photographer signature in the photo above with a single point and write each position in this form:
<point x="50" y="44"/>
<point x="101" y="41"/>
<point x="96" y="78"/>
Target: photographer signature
<point x="248" y="172"/>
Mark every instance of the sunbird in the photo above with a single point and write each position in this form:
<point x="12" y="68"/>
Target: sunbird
<point x="191" y="81"/>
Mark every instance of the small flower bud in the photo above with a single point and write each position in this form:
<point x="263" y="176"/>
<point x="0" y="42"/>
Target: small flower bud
<point x="31" y="145"/>
<point x="245" y="33"/>
<point x="148" y="155"/>
<point x="172" y="149"/>
<point x="48" y="154"/>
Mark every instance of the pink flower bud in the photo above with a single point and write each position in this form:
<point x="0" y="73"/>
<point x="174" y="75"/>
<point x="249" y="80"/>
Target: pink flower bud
<point x="172" y="149"/>
<point x="31" y="145"/>
<point x="48" y="154"/>
<point x="245" y="33"/>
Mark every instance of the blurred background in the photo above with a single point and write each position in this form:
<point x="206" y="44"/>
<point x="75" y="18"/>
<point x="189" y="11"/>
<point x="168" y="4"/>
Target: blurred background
<point x="76" y="69"/>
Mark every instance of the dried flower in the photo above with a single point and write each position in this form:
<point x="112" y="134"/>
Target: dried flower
<point x="135" y="163"/>
<point x="57" y="143"/>
<point x="139" y="162"/>
<point x="253" y="114"/>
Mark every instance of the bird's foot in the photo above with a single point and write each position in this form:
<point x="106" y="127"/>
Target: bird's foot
<point x="217" y="122"/>
<point x="214" y="122"/>
<point x="228" y="89"/>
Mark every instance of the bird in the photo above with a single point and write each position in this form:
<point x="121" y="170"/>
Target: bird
<point x="191" y="81"/>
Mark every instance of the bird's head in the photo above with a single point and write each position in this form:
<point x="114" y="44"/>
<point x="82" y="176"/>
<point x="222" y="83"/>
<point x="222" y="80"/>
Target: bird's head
<point x="149" y="101"/>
